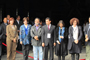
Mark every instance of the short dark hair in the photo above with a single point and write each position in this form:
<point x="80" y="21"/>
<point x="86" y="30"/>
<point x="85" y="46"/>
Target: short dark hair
<point x="48" y="18"/>
<point x="89" y="16"/>
<point x="17" y="16"/>
<point x="8" y="14"/>
<point x="37" y="18"/>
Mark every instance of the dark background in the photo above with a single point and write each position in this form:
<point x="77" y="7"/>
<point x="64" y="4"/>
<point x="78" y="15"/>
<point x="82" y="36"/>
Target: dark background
<point x="55" y="9"/>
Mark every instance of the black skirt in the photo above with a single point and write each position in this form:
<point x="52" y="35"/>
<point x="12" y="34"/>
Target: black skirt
<point x="75" y="48"/>
<point x="61" y="49"/>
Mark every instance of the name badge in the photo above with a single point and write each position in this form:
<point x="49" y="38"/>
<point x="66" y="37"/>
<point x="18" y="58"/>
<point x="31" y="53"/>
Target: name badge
<point x="48" y="35"/>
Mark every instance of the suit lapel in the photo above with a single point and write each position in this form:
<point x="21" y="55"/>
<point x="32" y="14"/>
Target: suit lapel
<point x="39" y="28"/>
<point x="34" y="28"/>
<point x="87" y="26"/>
<point x="72" y="30"/>
<point x="78" y="31"/>
<point x="47" y="28"/>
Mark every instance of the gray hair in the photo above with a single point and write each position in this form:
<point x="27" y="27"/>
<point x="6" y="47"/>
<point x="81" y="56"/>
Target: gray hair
<point x="61" y="21"/>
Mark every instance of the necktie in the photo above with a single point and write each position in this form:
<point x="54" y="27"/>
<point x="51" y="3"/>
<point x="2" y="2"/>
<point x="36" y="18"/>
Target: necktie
<point x="48" y="27"/>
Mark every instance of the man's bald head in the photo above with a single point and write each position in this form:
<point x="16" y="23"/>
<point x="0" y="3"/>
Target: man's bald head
<point x="5" y="20"/>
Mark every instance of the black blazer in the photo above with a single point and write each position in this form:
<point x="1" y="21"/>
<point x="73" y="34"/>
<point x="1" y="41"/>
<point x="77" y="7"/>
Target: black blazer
<point x="18" y="25"/>
<point x="71" y="39"/>
<point x="1" y="35"/>
<point x="65" y="35"/>
<point x="3" y="30"/>
<point x="86" y="29"/>
<point x="63" y="43"/>
<point x="45" y="30"/>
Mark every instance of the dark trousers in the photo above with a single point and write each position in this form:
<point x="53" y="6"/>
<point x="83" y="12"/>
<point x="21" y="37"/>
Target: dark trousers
<point x="4" y="47"/>
<point x="46" y="52"/>
<point x="59" y="57"/>
<point x="25" y="49"/>
<point x="73" y="56"/>
<point x="0" y="51"/>
<point x="19" y="46"/>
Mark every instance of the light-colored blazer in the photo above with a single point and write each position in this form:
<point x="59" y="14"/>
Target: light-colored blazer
<point x="11" y="33"/>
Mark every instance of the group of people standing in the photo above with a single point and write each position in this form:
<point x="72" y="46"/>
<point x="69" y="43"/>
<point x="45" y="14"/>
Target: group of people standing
<point x="47" y="37"/>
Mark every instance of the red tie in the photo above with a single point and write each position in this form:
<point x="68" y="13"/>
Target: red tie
<point x="48" y="27"/>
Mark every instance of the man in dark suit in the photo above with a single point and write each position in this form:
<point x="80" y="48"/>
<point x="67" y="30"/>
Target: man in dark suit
<point x="18" y="23"/>
<point x="48" y="32"/>
<point x="0" y="41"/>
<point x="29" y="22"/>
<point x="8" y="17"/>
<point x="3" y="25"/>
<point x="87" y="40"/>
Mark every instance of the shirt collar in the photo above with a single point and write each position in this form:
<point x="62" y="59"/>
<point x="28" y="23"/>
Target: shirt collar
<point x="74" y="27"/>
<point x="49" y="25"/>
<point x="5" y="23"/>
<point x="17" y="20"/>
<point x="36" y="26"/>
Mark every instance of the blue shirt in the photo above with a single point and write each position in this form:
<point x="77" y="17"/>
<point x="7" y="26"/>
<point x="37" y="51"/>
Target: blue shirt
<point x="26" y="30"/>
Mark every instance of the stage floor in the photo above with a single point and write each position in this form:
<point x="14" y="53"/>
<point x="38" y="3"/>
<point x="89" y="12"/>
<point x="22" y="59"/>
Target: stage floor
<point x="68" y="57"/>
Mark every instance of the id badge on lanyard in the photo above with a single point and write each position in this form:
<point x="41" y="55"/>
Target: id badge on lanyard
<point x="48" y="35"/>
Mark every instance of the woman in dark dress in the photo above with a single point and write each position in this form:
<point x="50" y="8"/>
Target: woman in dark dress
<point x="61" y="38"/>
<point x="75" y="35"/>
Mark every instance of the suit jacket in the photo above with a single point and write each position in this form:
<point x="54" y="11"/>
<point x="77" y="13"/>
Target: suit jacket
<point x="18" y="25"/>
<point x="11" y="33"/>
<point x="85" y="32"/>
<point x="26" y="39"/>
<point x="4" y="30"/>
<point x="45" y="31"/>
<point x="35" y="32"/>
<point x="71" y="39"/>
<point x="1" y="35"/>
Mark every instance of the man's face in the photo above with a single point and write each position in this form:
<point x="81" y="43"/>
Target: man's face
<point x="37" y="22"/>
<point x="5" y="20"/>
<point x="18" y="18"/>
<point x="48" y="22"/>
<point x="89" y="20"/>
<point x="28" y="18"/>
<point x="8" y="17"/>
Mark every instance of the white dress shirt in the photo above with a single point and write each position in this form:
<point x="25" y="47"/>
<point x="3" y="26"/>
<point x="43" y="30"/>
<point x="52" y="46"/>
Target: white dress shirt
<point x="75" y="33"/>
<point x="18" y="21"/>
